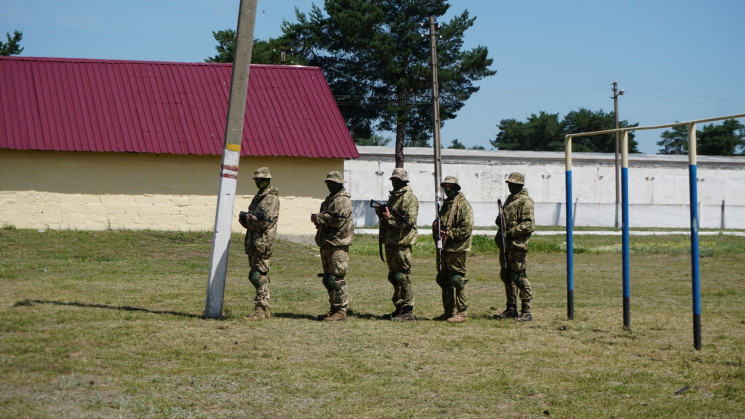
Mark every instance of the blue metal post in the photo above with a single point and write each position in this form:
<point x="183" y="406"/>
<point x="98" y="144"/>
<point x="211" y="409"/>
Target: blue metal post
<point x="695" y="279"/>
<point x="625" y="220"/>
<point x="570" y="232"/>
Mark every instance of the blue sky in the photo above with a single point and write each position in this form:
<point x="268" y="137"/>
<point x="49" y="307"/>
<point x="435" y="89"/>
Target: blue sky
<point x="676" y="60"/>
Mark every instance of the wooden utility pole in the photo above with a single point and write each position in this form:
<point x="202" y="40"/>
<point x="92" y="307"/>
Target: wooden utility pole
<point x="230" y="158"/>
<point x="435" y="109"/>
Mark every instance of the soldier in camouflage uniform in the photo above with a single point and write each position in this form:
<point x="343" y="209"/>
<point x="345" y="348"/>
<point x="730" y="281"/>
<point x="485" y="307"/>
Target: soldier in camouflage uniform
<point x="519" y="221"/>
<point x="456" y="218"/>
<point x="398" y="235"/>
<point x="334" y="235"/>
<point x="261" y="228"/>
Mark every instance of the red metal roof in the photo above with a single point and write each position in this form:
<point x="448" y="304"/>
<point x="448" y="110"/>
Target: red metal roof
<point x="66" y="104"/>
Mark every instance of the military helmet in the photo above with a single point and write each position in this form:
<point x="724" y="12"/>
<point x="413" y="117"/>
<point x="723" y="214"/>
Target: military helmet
<point x="400" y="173"/>
<point x="516" y="178"/>
<point x="450" y="179"/>
<point x="335" y="176"/>
<point x="262" y="173"/>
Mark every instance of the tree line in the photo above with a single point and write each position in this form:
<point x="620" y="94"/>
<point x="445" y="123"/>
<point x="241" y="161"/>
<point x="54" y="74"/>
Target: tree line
<point x="376" y="59"/>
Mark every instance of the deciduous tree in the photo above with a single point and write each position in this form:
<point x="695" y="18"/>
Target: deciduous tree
<point x="725" y="139"/>
<point x="544" y="132"/>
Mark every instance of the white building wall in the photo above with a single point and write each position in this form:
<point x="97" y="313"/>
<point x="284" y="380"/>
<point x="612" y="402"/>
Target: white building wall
<point x="658" y="186"/>
<point x="99" y="191"/>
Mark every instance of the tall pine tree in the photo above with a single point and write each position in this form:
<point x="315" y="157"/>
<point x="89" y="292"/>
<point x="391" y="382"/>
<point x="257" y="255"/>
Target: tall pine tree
<point x="378" y="64"/>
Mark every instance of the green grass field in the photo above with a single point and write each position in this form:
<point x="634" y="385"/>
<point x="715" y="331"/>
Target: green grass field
<point x="109" y="324"/>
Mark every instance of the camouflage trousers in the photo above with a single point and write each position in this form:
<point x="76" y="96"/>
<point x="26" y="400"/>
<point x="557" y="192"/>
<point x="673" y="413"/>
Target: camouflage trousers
<point x="335" y="261"/>
<point x="515" y="278"/>
<point x="258" y="276"/>
<point x="399" y="267"/>
<point x="451" y="279"/>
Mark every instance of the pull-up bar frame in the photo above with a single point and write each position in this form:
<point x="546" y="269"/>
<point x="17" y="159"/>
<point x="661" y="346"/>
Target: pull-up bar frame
<point x="693" y="191"/>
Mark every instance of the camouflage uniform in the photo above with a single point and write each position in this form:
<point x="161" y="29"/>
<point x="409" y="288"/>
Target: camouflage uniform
<point x="519" y="220"/>
<point x="398" y="238"/>
<point x="456" y="217"/>
<point x="335" y="229"/>
<point x="260" y="234"/>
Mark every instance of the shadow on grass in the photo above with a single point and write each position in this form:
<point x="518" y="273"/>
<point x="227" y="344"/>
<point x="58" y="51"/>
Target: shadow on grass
<point x="366" y="316"/>
<point x="28" y="302"/>
<point x="320" y="317"/>
<point x="294" y="316"/>
<point x="281" y="315"/>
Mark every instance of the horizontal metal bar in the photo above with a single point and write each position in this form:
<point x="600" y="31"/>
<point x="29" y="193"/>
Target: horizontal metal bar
<point x="677" y="124"/>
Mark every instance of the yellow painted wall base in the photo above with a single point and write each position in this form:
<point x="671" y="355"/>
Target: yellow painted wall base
<point x="132" y="191"/>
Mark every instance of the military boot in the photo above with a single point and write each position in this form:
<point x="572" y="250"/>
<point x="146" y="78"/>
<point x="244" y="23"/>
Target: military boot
<point x="258" y="314"/>
<point x="525" y="315"/>
<point x="458" y="317"/>
<point x="397" y="312"/>
<point x="406" y="315"/>
<point x="338" y="315"/>
<point x="323" y="316"/>
<point x="266" y="313"/>
<point x="509" y="313"/>
<point x="444" y="316"/>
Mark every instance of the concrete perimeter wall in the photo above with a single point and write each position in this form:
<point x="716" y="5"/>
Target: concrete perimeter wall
<point x="97" y="191"/>
<point x="658" y="186"/>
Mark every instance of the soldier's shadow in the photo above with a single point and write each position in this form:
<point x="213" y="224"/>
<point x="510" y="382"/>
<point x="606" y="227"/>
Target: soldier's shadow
<point x="29" y="302"/>
<point x="295" y="316"/>
<point x="350" y="313"/>
<point x="366" y="316"/>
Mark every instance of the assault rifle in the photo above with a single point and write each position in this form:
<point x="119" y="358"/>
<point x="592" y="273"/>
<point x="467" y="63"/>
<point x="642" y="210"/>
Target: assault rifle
<point x="334" y="214"/>
<point x="243" y="216"/>
<point x="380" y="207"/>
<point x="502" y="227"/>
<point x="383" y="206"/>
<point x="438" y="234"/>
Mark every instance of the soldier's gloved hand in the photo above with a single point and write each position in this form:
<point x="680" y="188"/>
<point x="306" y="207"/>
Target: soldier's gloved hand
<point x="242" y="218"/>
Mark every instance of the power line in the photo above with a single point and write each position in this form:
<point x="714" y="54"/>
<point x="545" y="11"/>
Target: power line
<point x="674" y="92"/>
<point x="672" y="99"/>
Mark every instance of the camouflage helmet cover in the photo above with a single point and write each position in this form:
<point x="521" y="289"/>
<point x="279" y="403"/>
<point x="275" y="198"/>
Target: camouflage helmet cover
<point x="516" y="178"/>
<point x="400" y="173"/>
<point x="450" y="179"/>
<point x="335" y="176"/>
<point x="262" y="173"/>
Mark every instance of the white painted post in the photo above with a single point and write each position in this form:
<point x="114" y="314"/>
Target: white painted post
<point x="230" y="159"/>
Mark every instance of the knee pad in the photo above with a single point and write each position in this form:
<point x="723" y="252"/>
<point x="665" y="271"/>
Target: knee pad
<point x="329" y="280"/>
<point x="516" y="277"/>
<point x="400" y="278"/>
<point x="457" y="282"/>
<point x="253" y="276"/>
